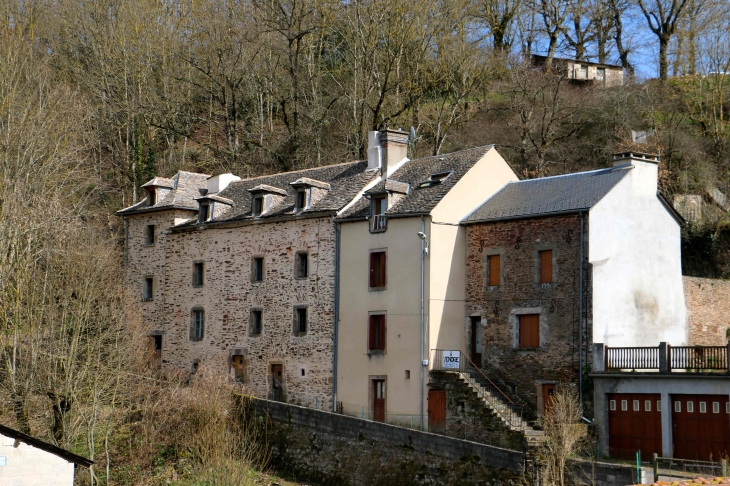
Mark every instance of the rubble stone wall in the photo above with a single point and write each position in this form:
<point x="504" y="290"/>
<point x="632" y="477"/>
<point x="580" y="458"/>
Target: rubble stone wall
<point x="708" y="310"/>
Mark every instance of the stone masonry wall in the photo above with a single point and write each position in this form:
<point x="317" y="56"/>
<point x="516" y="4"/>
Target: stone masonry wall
<point x="557" y="303"/>
<point x="708" y="310"/>
<point x="228" y="295"/>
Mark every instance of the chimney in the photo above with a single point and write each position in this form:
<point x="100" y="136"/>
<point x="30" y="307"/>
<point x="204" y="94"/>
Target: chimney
<point x="394" y="145"/>
<point x="217" y="183"/>
<point x="374" y="150"/>
<point x="645" y="173"/>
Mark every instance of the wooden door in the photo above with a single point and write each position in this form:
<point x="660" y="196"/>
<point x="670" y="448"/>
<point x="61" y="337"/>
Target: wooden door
<point x="239" y="368"/>
<point x="700" y="427"/>
<point x="277" y="382"/>
<point x="634" y="424"/>
<point x="548" y="391"/>
<point x="436" y="410"/>
<point x="379" y="400"/>
<point x="476" y="340"/>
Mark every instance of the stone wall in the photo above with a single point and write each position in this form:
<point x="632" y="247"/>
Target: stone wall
<point x="29" y="466"/>
<point x="521" y="371"/>
<point x="708" y="310"/>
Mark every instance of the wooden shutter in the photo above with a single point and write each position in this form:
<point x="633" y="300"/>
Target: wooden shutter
<point x="494" y="270"/>
<point x="371" y="332"/>
<point x="373" y="266"/>
<point x="530" y="331"/>
<point x="546" y="266"/>
<point x="382" y="270"/>
<point x="377" y="269"/>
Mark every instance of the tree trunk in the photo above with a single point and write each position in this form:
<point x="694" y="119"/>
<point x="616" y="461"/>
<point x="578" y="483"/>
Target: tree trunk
<point x="663" y="63"/>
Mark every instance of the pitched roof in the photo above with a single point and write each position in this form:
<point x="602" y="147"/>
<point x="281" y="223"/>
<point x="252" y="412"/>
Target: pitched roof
<point x="345" y="181"/>
<point x="422" y="200"/>
<point x="547" y="195"/>
<point x="45" y="446"/>
<point x="186" y="188"/>
<point x="161" y="182"/>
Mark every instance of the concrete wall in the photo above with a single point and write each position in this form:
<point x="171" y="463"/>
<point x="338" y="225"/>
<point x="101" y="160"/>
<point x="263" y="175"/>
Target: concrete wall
<point x="708" y="310"/>
<point x="638" y="298"/>
<point x="29" y="466"/>
<point x="666" y="385"/>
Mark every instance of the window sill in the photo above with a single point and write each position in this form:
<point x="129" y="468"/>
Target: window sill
<point x="195" y="340"/>
<point x="147" y="245"/>
<point x="147" y="299"/>
<point x="255" y="335"/>
<point x="302" y="278"/>
<point x="527" y="350"/>
<point x="198" y="286"/>
<point x="377" y="289"/>
<point x="380" y="230"/>
<point x="493" y="287"/>
<point x="299" y="334"/>
<point x="376" y="352"/>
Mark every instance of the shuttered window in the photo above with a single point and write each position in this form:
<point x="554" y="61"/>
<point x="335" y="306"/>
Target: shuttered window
<point x="376" y="333"/>
<point x="546" y="266"/>
<point x="495" y="264"/>
<point x="377" y="269"/>
<point x="530" y="331"/>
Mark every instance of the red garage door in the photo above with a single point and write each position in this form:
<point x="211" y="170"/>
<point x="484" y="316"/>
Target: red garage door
<point x="634" y="424"/>
<point x="701" y="427"/>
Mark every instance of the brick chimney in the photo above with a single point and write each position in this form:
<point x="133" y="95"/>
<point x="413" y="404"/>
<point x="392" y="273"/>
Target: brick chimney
<point x="394" y="148"/>
<point x="645" y="172"/>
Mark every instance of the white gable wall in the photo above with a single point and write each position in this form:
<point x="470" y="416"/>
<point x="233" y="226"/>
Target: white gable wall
<point x="634" y="247"/>
<point x="29" y="466"/>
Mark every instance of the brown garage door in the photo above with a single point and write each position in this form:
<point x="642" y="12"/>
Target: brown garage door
<point x="634" y="424"/>
<point x="700" y="427"/>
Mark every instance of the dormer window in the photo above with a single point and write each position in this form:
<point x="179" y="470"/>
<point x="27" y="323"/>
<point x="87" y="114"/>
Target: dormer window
<point x="258" y="205"/>
<point x="435" y="179"/>
<point x="205" y="212"/>
<point x="302" y="202"/>
<point x="151" y="196"/>
<point x="378" y="207"/>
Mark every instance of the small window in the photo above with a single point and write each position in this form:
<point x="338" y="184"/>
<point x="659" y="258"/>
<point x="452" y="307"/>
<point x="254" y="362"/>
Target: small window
<point x="238" y="363"/>
<point x="690" y="407"/>
<point x="205" y="213"/>
<point x="529" y="331"/>
<point x="624" y="405"/>
<point x="198" y="274"/>
<point x="546" y="266"/>
<point x="376" y="333"/>
<point x="302" y="270"/>
<point x="715" y="407"/>
<point x="647" y="405"/>
<point x="494" y="263"/>
<point x="408" y="374"/>
<point x="300" y="321"/>
<point x="379" y="205"/>
<point x="659" y="406"/>
<point x="703" y="407"/>
<point x="197" y="325"/>
<point x="583" y="72"/>
<point x="677" y="406"/>
<point x="257" y="269"/>
<point x="377" y="269"/>
<point x="258" y="205"/>
<point x="151" y="196"/>
<point x="612" y="405"/>
<point x="150" y="234"/>
<point x="256" y="322"/>
<point x="301" y="199"/>
<point x="148" y="288"/>
<point x="195" y="367"/>
<point x="303" y="371"/>
<point x="637" y="406"/>
<point x="435" y="179"/>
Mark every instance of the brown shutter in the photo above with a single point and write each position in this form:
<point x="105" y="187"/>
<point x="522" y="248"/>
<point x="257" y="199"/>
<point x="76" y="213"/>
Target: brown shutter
<point x="373" y="265"/>
<point x="494" y="270"/>
<point x="546" y="266"/>
<point x="530" y="331"/>
<point x="371" y="332"/>
<point x="382" y="269"/>
<point x="382" y="332"/>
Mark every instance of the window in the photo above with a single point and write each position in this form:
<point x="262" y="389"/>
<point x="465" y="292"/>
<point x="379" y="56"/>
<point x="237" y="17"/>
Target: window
<point x="377" y="270"/>
<point x="408" y="374"/>
<point x="300" y="321"/>
<point x="624" y="405"/>
<point x="150" y="234"/>
<point x="583" y="72"/>
<point x="258" y="205"/>
<point x="238" y="363"/>
<point x="637" y="406"/>
<point x="435" y="179"/>
<point x="198" y="274"/>
<point x="601" y="74"/>
<point x="703" y="407"/>
<point x="612" y="405"/>
<point x="715" y="407"/>
<point x="148" y="288"/>
<point x="677" y="406"/>
<point x="301" y="200"/>
<point x="196" y="365"/>
<point x="151" y="196"/>
<point x="690" y="407"/>
<point x="647" y="405"/>
<point x="494" y="270"/>
<point x="256" y="322"/>
<point x="376" y="333"/>
<point x="257" y="269"/>
<point x="529" y="331"/>
<point x="659" y="406"/>
<point x="197" y="324"/>
<point x="205" y="212"/>
<point x="302" y="270"/>
<point x="378" y="209"/>
<point x="546" y="266"/>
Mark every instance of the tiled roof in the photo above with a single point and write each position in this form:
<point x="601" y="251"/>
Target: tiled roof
<point x="421" y="200"/>
<point x="534" y="197"/>
<point x="186" y="187"/>
<point x="161" y="182"/>
<point x="306" y="181"/>
<point x="345" y="181"/>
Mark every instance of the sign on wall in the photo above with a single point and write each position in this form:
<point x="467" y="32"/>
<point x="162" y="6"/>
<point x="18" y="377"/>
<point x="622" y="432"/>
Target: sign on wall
<point x="452" y="360"/>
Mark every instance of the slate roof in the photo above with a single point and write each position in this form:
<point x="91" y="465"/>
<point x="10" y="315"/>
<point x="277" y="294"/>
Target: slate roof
<point x="186" y="187"/>
<point x="345" y="181"/>
<point x="45" y="446"/>
<point x="548" y="195"/>
<point x="423" y="200"/>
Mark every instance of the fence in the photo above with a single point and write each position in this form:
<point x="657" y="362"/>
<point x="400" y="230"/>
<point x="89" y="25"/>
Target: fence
<point x="663" y="358"/>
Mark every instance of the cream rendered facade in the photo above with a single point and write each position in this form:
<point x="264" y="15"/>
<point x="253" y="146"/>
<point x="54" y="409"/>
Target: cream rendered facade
<point x="400" y="365"/>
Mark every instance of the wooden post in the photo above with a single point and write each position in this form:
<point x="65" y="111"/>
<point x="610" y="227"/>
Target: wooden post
<point x="655" y="466"/>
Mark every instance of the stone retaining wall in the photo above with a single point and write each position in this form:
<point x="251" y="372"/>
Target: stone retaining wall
<point x="708" y="310"/>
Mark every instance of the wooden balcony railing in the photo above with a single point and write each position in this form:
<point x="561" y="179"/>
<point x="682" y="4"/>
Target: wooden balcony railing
<point x="663" y="358"/>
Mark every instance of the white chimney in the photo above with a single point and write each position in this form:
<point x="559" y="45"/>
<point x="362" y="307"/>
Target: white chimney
<point x="374" y="150"/>
<point x="394" y="145"/>
<point x="645" y="172"/>
<point x="217" y="183"/>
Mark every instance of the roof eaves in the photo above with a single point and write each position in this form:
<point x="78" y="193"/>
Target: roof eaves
<point x="485" y="201"/>
<point x="45" y="446"/>
<point x="153" y="209"/>
<point x="672" y="210"/>
<point x="526" y="216"/>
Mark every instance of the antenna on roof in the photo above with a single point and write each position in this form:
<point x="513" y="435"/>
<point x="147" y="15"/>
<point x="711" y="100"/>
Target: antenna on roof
<point x="412" y="138"/>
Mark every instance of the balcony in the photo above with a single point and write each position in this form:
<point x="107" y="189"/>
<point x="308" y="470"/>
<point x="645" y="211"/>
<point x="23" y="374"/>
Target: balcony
<point x="378" y="223"/>
<point x="664" y="358"/>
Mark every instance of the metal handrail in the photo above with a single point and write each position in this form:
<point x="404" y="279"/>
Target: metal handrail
<point x="487" y="378"/>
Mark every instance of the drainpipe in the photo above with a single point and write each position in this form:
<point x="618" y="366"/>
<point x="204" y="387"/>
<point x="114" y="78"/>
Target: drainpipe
<point x="580" y="315"/>
<point x="126" y="246"/>
<point x="423" y="314"/>
<point x="337" y="313"/>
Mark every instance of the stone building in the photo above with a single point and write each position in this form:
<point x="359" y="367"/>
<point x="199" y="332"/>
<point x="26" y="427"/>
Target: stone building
<point x="585" y="72"/>
<point x="535" y="310"/>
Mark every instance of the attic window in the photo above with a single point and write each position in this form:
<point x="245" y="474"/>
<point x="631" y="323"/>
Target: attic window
<point x="435" y="179"/>
<point x="258" y="205"/>
<point x="301" y="199"/>
<point x="205" y="213"/>
<point x="151" y="196"/>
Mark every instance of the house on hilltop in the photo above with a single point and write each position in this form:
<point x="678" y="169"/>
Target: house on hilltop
<point x="584" y="71"/>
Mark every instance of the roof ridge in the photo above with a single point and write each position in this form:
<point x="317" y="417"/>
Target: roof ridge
<point x="606" y="169"/>
<point x="352" y="162"/>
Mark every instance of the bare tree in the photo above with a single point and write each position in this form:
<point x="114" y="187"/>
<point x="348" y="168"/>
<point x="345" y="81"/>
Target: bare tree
<point x="662" y="17"/>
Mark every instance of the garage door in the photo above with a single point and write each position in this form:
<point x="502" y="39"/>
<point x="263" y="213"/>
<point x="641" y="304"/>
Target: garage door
<point x="701" y="427"/>
<point x="634" y="424"/>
